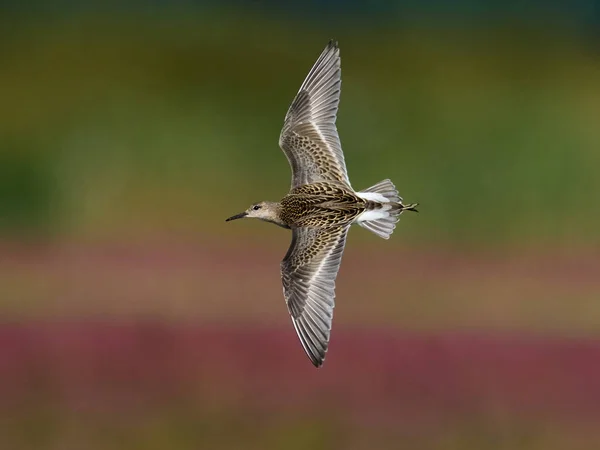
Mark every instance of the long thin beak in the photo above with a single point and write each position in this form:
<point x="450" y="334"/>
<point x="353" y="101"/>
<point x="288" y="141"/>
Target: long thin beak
<point x="237" y="216"/>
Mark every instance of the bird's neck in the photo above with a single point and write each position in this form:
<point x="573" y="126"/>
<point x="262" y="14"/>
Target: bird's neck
<point x="275" y="217"/>
<point x="279" y="222"/>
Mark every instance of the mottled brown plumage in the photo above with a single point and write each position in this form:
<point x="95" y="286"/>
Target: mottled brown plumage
<point x="321" y="205"/>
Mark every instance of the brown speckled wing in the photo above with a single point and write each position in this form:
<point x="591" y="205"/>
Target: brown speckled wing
<point x="308" y="272"/>
<point x="309" y="137"/>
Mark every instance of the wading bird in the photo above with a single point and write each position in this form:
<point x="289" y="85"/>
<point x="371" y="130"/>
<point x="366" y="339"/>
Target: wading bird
<point x="321" y="205"/>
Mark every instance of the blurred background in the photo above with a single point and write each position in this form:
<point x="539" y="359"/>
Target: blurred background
<point x="133" y="317"/>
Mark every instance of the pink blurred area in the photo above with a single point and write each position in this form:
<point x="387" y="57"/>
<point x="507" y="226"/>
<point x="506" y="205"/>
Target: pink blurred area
<point x="171" y="335"/>
<point x="381" y="375"/>
<point x="378" y="386"/>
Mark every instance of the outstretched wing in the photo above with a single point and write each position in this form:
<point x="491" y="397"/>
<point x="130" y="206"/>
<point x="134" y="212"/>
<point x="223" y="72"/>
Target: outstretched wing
<point x="308" y="272"/>
<point x="309" y="137"/>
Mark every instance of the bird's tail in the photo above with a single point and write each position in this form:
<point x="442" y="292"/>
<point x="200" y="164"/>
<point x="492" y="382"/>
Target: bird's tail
<point x="385" y="207"/>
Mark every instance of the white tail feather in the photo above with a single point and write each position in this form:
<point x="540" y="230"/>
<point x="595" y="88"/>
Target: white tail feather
<point x="381" y="221"/>
<point x="381" y="227"/>
<point x="385" y="188"/>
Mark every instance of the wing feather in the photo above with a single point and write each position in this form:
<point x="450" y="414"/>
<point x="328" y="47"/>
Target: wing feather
<point x="309" y="137"/>
<point x="308" y="273"/>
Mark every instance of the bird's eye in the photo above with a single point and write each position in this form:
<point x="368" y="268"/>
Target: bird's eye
<point x="256" y="207"/>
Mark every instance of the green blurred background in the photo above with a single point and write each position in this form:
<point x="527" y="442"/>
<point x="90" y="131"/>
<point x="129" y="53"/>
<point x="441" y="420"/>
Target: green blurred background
<point x="128" y="133"/>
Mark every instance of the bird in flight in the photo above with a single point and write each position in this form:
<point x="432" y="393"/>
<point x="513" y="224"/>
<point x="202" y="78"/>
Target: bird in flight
<point x="321" y="205"/>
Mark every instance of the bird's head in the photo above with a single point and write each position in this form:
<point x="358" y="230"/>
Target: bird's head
<point x="267" y="211"/>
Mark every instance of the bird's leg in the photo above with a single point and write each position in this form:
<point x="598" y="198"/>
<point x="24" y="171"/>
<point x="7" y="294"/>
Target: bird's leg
<point x="411" y="207"/>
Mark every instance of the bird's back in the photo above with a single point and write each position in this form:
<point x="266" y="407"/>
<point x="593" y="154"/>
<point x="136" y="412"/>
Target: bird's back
<point x="321" y="205"/>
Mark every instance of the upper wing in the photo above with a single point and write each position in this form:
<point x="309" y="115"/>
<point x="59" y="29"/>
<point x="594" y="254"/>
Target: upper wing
<point x="309" y="137"/>
<point x="308" y="272"/>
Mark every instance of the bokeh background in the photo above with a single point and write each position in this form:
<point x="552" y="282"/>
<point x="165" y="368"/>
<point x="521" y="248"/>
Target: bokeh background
<point x="133" y="317"/>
